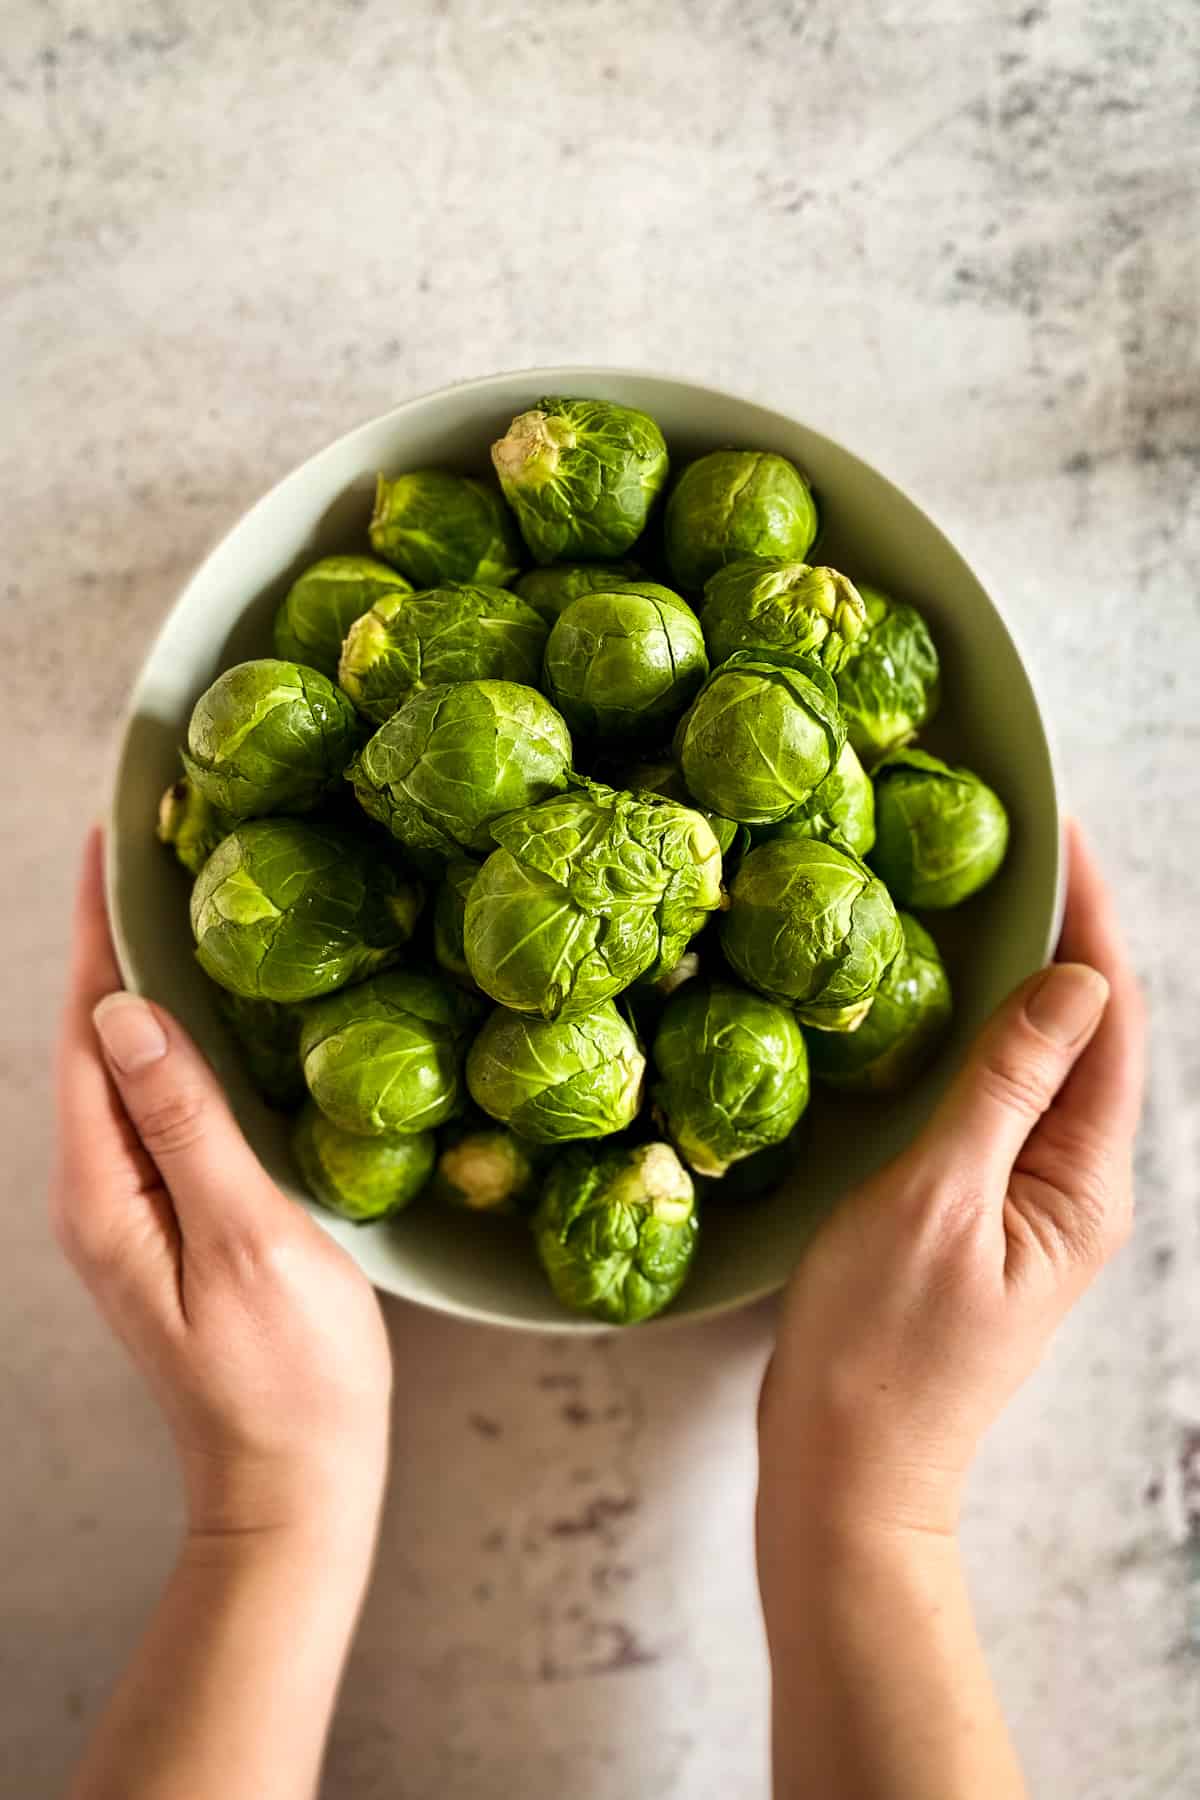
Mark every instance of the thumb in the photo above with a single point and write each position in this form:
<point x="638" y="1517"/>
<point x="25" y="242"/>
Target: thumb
<point x="1019" y="1062"/>
<point x="175" y="1104"/>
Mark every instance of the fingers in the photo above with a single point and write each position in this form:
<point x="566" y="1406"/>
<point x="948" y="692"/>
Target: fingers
<point x="94" y="971"/>
<point x="1017" y="1066"/>
<point x="221" y="1193"/>
<point x="1072" y="1186"/>
<point x="104" y="1175"/>
<point x="1105" y="1089"/>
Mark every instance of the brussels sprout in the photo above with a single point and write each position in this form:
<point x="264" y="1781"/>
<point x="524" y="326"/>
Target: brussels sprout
<point x="454" y="758"/>
<point x="267" y="1036"/>
<point x="811" y="926"/>
<point x="769" y="605"/>
<point x="581" y="476"/>
<point x="940" y="833"/>
<point x="889" y="685"/>
<point x="617" y="1233"/>
<point x="268" y="736"/>
<point x="624" y="661"/>
<point x="188" y="823"/>
<point x="489" y="1170"/>
<point x="322" y="605"/>
<point x="760" y="736"/>
<point x="360" y="1178"/>
<point x="386" y="1055"/>
<point x="446" y="634"/>
<point x="439" y="528"/>
<point x="733" y="504"/>
<point x="286" y="911"/>
<point x="843" y="807"/>
<point x="734" y="1074"/>
<point x="902" y="1030"/>
<point x="560" y="1079"/>
<point x="586" y="893"/>
<point x="551" y="589"/>
<point x="449" y="915"/>
<point x="664" y="778"/>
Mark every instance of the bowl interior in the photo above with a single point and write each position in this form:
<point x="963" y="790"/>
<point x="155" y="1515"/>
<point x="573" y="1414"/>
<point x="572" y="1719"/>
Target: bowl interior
<point x="483" y="1269"/>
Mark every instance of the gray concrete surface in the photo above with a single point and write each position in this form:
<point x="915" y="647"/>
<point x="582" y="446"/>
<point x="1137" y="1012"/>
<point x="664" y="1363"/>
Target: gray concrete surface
<point x="962" y="238"/>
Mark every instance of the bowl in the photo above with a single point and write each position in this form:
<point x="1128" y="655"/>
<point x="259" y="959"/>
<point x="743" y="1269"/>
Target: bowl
<point x="483" y="1269"/>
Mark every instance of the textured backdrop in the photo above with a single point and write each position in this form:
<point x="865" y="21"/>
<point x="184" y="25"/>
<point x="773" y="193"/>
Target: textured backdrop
<point x="963" y="239"/>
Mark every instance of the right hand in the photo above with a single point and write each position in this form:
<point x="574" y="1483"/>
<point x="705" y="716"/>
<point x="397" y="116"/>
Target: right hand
<point x="260" y="1338"/>
<point x="931" y="1291"/>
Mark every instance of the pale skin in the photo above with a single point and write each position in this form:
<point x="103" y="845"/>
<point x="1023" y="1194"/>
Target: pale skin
<point x="920" y="1307"/>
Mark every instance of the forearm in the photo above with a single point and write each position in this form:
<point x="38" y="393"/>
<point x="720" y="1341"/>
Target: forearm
<point x="231" y="1690"/>
<point x="880" y="1690"/>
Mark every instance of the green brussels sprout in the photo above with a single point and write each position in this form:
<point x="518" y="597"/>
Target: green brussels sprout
<point x="190" y="825"/>
<point x="623" y="661"/>
<point x="760" y="736"/>
<point x="811" y="926"/>
<point x="843" y="807"/>
<point x="452" y="759"/>
<point x="904" y="1027"/>
<point x="319" y="609"/>
<point x="664" y="778"/>
<point x="449" y="917"/>
<point x="889" y="684"/>
<point x="439" y="529"/>
<point x="581" y="476"/>
<point x="387" y="1055"/>
<point x="268" y="736"/>
<point x="286" y="911"/>
<point x="560" y="1079"/>
<point x="551" y="589"/>
<point x="447" y="634"/>
<point x="769" y="605"/>
<point x="487" y="1170"/>
<point x="267" y="1036"/>
<point x="584" y="894"/>
<point x="734" y="1074"/>
<point x="359" y="1178"/>
<point x="733" y="504"/>
<point x="617" y="1233"/>
<point x="940" y="833"/>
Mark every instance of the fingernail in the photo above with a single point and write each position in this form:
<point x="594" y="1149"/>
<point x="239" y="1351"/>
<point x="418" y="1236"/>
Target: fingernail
<point x="1067" y="1002"/>
<point x="129" y="1031"/>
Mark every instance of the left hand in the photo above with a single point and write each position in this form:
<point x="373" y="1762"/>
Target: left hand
<point x="261" y="1340"/>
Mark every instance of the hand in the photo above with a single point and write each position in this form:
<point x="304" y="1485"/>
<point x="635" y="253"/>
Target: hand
<point x="261" y="1340"/>
<point x="930" y="1293"/>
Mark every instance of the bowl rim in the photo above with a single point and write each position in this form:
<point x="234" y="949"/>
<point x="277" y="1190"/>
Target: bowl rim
<point x="563" y="378"/>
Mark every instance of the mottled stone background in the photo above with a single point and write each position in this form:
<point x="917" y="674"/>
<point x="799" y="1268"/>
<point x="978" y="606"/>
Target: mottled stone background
<point x="961" y="237"/>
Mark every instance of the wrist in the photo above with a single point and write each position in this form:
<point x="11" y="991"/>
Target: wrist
<point x="246" y="1500"/>
<point x="846" y="1496"/>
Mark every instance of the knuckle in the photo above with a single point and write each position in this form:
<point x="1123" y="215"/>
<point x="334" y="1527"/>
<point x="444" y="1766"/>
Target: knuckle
<point x="245" y="1256"/>
<point x="1020" y="1084"/>
<point x="89" y="1245"/>
<point x="172" y="1123"/>
<point x="1097" y="1212"/>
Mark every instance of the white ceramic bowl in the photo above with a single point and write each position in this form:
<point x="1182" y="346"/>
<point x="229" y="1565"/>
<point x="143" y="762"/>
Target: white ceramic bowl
<point x="484" y="1269"/>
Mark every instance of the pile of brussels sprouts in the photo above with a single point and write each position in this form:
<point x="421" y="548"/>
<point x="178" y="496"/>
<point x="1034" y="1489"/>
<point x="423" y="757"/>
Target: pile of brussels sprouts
<point x="534" y="884"/>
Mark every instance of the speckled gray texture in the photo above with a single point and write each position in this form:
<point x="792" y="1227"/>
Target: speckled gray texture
<point x="963" y="239"/>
